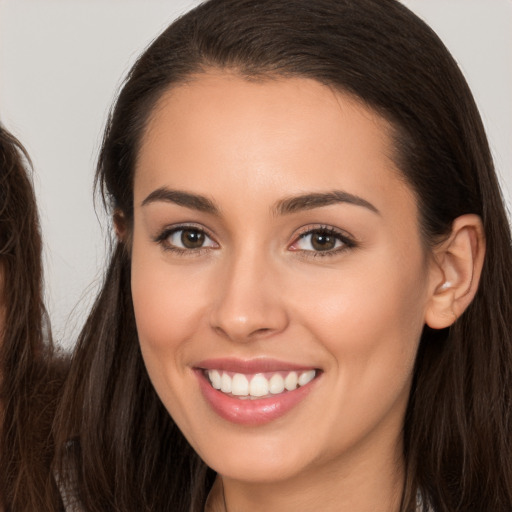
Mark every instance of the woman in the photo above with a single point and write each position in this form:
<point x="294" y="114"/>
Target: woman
<point x="30" y="373"/>
<point x="309" y="300"/>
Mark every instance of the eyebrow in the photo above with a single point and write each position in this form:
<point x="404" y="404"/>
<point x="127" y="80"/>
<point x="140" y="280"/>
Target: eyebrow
<point x="186" y="199"/>
<point x="283" y="207"/>
<point x="317" y="200"/>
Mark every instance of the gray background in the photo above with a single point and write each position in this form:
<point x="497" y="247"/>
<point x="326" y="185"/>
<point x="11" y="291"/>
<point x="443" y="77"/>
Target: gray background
<point x="62" y="61"/>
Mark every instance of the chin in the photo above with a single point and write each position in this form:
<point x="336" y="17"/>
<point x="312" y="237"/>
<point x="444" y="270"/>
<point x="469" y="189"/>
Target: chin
<point x="258" y="459"/>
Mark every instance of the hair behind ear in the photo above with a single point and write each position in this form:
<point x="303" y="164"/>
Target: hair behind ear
<point x="458" y="429"/>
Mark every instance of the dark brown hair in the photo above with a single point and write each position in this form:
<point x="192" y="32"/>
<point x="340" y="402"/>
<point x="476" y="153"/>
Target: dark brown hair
<point x="129" y="454"/>
<point x="30" y="374"/>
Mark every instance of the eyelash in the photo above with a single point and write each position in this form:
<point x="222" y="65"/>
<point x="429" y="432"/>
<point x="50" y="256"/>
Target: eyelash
<point x="346" y="241"/>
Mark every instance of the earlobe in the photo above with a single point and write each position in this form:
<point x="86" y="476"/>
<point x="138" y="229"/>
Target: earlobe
<point x="455" y="275"/>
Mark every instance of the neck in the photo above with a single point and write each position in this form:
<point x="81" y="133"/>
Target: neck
<point x="365" y="482"/>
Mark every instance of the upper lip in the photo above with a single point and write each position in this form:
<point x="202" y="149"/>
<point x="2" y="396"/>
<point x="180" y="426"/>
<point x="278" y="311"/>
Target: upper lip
<point x="249" y="366"/>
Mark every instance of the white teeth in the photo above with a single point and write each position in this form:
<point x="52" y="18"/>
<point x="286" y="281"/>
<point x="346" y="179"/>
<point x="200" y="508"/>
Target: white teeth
<point x="258" y="386"/>
<point x="306" y="377"/>
<point x="290" y="383"/>
<point x="215" y="379"/>
<point x="225" y="383"/>
<point x="240" y="385"/>
<point x="276" y="384"/>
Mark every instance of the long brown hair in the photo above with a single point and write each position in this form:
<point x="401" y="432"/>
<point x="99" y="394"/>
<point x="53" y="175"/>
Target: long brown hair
<point x="127" y="453"/>
<point x="30" y="372"/>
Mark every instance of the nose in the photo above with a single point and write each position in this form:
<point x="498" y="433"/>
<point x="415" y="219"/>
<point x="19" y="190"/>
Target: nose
<point x="249" y="304"/>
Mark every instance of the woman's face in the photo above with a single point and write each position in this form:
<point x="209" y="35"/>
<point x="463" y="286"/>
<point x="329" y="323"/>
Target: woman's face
<point x="276" y="255"/>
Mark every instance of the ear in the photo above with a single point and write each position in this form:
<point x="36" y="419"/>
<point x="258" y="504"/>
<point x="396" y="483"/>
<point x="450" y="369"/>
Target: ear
<point x="455" y="274"/>
<point x="120" y="226"/>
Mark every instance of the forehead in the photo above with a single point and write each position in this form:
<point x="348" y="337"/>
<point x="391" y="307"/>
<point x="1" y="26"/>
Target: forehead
<point x="220" y="129"/>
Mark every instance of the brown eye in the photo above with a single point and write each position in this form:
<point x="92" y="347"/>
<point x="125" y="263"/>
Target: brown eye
<point x="323" y="241"/>
<point x="192" y="238"/>
<point x="186" y="238"/>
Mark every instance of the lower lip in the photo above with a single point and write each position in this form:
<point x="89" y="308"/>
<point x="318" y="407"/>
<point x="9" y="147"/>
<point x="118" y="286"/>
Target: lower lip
<point x="251" y="412"/>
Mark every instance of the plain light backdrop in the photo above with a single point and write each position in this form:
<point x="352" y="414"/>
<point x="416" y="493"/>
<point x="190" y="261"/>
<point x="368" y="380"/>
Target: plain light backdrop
<point x="62" y="61"/>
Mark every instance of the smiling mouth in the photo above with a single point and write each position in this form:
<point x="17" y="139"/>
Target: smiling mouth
<point x="258" y="385"/>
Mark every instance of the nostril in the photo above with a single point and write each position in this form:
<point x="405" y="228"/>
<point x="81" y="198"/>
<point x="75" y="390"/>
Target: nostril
<point x="260" y="332"/>
<point x="220" y="332"/>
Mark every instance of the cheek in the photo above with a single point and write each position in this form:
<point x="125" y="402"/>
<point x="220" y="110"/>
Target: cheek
<point x="167" y="312"/>
<point x="167" y="303"/>
<point x="369" y="315"/>
<point x="370" y="320"/>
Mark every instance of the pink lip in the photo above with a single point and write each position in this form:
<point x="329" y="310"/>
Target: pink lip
<point x="250" y="412"/>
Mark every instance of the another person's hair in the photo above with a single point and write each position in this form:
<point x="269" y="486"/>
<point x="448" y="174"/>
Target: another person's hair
<point x="30" y="373"/>
<point x="128" y="454"/>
